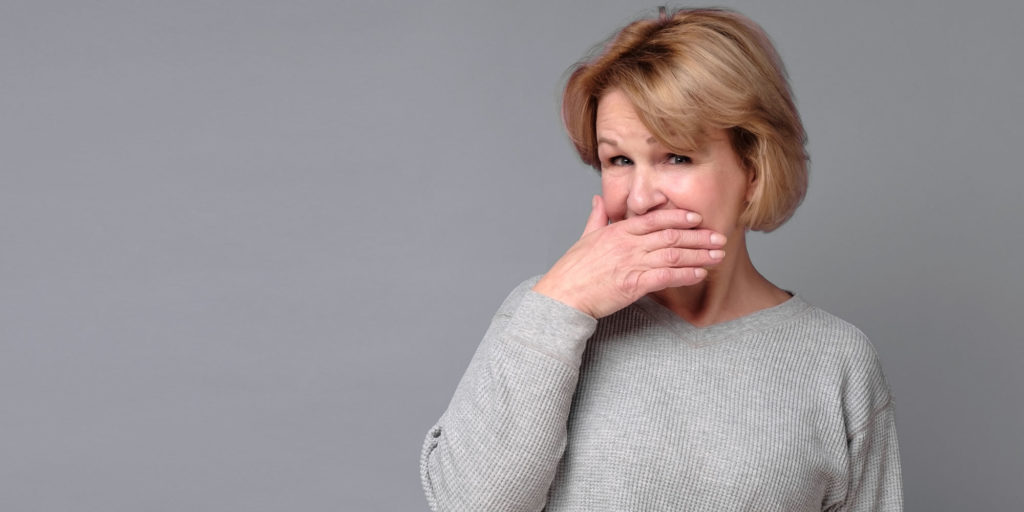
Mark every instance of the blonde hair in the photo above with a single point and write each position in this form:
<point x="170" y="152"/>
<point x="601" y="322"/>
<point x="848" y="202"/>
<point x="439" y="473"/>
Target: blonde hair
<point x="693" y="71"/>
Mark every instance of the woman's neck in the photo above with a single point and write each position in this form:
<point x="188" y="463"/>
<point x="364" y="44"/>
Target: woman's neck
<point x="733" y="289"/>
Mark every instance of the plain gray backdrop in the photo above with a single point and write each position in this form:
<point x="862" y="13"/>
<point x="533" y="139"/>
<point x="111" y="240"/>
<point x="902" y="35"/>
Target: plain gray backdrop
<point x="247" y="248"/>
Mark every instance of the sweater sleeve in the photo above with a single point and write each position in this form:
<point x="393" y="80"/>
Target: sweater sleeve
<point x="875" y="481"/>
<point x="498" y="444"/>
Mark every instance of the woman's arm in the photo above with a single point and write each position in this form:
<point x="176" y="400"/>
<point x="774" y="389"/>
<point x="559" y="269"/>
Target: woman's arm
<point x="875" y="479"/>
<point x="498" y="444"/>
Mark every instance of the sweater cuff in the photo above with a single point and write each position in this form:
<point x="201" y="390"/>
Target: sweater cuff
<point x="552" y="328"/>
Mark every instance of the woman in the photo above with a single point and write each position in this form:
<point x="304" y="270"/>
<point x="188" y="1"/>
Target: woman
<point x="652" y="367"/>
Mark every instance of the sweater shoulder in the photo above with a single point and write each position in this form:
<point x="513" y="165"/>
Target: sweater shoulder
<point x="838" y="337"/>
<point x="856" y="366"/>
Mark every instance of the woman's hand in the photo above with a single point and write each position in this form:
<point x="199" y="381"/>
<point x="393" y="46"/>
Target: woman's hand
<point x="613" y="265"/>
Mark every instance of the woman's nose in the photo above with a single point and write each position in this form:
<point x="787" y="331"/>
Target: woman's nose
<point x="644" y="192"/>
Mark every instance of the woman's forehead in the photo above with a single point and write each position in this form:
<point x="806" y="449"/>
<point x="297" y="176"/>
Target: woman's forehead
<point x="617" y="117"/>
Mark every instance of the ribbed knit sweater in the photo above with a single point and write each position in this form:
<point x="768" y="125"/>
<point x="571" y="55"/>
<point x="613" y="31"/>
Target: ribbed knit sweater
<point x="785" y="409"/>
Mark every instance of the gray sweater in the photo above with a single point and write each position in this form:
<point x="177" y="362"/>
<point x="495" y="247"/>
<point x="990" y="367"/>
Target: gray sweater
<point x="785" y="409"/>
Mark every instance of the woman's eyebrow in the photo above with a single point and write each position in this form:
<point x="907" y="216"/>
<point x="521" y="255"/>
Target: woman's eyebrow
<point x="602" y="140"/>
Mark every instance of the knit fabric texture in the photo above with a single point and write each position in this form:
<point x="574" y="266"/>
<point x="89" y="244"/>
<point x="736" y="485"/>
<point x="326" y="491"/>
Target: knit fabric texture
<point x="785" y="409"/>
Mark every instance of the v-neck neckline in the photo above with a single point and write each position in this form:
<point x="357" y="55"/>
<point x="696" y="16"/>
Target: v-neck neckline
<point x="701" y="336"/>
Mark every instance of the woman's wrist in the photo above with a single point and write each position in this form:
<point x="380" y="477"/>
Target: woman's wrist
<point x="550" y="288"/>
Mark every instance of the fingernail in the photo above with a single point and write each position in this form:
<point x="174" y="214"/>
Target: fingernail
<point x="717" y="239"/>
<point x="693" y="217"/>
<point x="716" y="254"/>
<point x="700" y="273"/>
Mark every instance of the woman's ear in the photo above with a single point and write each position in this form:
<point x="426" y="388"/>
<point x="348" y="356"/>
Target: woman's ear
<point x="751" y="184"/>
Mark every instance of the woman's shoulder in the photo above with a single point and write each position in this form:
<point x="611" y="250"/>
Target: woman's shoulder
<point x="850" y="357"/>
<point x="830" y="332"/>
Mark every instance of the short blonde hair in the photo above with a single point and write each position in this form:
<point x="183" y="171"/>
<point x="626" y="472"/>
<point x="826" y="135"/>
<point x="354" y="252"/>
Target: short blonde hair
<point x="693" y="71"/>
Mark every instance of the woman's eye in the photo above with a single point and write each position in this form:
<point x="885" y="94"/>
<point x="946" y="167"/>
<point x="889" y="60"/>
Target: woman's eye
<point x="620" y="160"/>
<point x="679" y="159"/>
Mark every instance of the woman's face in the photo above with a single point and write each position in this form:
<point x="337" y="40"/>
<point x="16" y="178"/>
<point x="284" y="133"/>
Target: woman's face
<point x="639" y="174"/>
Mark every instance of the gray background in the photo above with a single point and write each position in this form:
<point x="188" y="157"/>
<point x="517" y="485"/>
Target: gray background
<point x="247" y="248"/>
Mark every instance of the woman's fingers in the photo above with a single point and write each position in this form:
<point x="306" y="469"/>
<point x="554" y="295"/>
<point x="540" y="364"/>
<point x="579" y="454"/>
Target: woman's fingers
<point x="659" y="220"/>
<point x="661" y="278"/>
<point x="598" y="218"/>
<point x="611" y="266"/>
<point x="691" y="238"/>
<point x="675" y="257"/>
